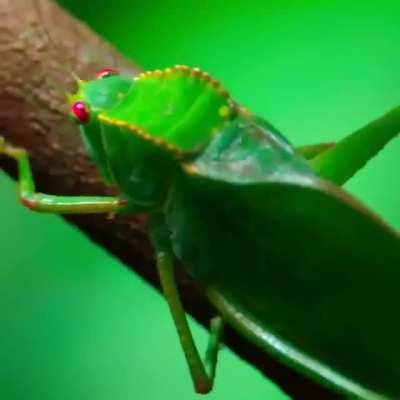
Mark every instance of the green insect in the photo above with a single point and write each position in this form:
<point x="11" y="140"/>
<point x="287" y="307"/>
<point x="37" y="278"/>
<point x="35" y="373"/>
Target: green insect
<point x="230" y="198"/>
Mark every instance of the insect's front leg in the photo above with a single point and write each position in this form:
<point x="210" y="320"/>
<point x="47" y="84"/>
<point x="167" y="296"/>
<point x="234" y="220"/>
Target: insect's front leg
<point x="51" y="203"/>
<point x="202" y="374"/>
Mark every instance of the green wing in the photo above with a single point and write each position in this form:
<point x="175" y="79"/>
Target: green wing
<point x="293" y="262"/>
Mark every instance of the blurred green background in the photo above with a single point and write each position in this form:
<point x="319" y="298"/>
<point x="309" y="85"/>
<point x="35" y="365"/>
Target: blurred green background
<point x="76" y="324"/>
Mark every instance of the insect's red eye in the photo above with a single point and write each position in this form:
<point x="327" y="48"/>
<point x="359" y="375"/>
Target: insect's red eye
<point x="81" y="112"/>
<point x="106" y="72"/>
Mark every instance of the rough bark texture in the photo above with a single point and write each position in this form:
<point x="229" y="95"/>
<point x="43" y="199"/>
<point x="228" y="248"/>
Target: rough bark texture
<point x="34" y="78"/>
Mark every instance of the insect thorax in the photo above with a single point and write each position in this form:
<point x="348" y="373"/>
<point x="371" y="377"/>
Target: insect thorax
<point x="139" y="133"/>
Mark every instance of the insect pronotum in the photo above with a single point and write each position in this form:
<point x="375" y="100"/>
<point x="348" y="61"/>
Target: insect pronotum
<point x="231" y="198"/>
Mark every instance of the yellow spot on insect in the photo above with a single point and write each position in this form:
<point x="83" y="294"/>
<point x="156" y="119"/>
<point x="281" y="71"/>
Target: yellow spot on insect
<point x="120" y="95"/>
<point x="190" y="169"/>
<point x="224" y="111"/>
<point x="183" y="68"/>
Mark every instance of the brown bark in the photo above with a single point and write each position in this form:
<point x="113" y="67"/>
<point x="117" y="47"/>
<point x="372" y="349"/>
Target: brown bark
<point x="34" y="77"/>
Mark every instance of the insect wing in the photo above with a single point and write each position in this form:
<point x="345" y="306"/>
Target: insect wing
<point x="299" y="267"/>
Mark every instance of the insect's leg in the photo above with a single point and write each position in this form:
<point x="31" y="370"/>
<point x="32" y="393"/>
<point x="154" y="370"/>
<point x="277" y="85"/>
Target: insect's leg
<point x="202" y="374"/>
<point x="214" y="341"/>
<point x="312" y="150"/>
<point x="51" y="203"/>
<point x="350" y="154"/>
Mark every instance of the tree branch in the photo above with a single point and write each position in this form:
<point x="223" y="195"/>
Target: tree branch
<point x="34" y="78"/>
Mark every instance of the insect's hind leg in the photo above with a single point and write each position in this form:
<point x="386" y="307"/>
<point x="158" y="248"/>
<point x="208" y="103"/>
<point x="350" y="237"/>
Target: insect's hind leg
<point x="202" y="374"/>
<point x="339" y="163"/>
<point x="214" y="342"/>
<point x="50" y="203"/>
<point x="313" y="150"/>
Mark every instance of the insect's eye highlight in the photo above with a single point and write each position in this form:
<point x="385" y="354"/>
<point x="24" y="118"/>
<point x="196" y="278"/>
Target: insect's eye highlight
<point x="106" y="72"/>
<point x="80" y="112"/>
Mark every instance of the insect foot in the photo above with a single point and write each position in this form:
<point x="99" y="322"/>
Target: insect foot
<point x="2" y="144"/>
<point x="9" y="150"/>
